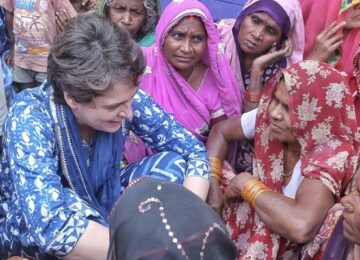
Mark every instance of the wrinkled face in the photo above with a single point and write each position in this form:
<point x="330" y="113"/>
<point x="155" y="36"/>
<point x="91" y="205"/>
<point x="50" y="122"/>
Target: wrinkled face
<point x="258" y="32"/>
<point x="130" y="15"/>
<point x="106" y="112"/>
<point x="280" y="127"/>
<point x="351" y="214"/>
<point x="186" y="43"/>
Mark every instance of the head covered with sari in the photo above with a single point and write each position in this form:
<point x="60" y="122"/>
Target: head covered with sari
<point x="355" y="82"/>
<point x="338" y="11"/>
<point x="171" y="90"/>
<point x="287" y="15"/>
<point x="156" y="220"/>
<point x="356" y="64"/>
<point x="323" y="121"/>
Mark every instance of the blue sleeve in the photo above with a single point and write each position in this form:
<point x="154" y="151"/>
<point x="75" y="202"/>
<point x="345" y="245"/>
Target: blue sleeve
<point x="161" y="132"/>
<point x="54" y="216"/>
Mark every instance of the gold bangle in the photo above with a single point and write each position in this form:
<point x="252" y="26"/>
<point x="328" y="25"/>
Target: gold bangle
<point x="216" y="167"/>
<point x="257" y="194"/>
<point x="252" y="189"/>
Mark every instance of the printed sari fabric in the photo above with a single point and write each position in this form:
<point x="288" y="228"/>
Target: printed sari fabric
<point x="335" y="10"/>
<point x="315" y="249"/>
<point x="356" y="78"/>
<point x="323" y="119"/>
<point x="52" y="182"/>
<point x="289" y="18"/>
<point x="219" y="93"/>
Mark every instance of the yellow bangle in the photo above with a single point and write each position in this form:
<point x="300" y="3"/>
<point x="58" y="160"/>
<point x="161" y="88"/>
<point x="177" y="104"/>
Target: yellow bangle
<point x="216" y="167"/>
<point x="252" y="189"/>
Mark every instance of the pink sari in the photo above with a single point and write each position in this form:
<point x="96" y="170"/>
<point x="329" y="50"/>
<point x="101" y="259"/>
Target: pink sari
<point x="172" y="92"/>
<point x="335" y="10"/>
<point x="219" y="93"/>
<point x="323" y="118"/>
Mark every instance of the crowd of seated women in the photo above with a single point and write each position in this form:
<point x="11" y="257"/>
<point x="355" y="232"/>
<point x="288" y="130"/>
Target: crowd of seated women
<point x="256" y="117"/>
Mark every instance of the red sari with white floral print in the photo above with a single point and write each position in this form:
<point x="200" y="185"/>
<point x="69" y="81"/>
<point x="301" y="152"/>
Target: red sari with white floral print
<point x="323" y="119"/>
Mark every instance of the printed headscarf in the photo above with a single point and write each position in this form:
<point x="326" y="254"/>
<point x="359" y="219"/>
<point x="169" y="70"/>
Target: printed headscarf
<point x="323" y="118"/>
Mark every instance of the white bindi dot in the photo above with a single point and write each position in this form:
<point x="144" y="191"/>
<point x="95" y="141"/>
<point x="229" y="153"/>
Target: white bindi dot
<point x="159" y="187"/>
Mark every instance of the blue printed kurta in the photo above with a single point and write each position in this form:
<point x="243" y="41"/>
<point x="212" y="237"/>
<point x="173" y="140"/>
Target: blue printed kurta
<point x="38" y="210"/>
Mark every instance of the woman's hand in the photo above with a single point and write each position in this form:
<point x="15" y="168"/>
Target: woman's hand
<point x="233" y="190"/>
<point x="272" y="56"/>
<point x="327" y="42"/>
<point x="61" y="18"/>
<point x="215" y="196"/>
<point x="88" y="4"/>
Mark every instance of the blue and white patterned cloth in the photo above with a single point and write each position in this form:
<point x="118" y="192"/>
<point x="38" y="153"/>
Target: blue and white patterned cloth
<point x="4" y="40"/>
<point x="41" y="217"/>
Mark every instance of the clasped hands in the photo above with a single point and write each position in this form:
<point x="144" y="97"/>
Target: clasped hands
<point x="216" y="198"/>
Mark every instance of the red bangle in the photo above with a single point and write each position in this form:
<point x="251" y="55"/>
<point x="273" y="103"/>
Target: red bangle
<point x="252" y="96"/>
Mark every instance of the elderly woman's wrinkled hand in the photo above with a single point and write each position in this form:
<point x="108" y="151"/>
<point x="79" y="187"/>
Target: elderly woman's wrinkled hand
<point x="233" y="190"/>
<point x="328" y="41"/>
<point x="272" y="56"/>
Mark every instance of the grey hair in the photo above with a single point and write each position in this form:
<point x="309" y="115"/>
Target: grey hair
<point x="90" y="56"/>
<point x="152" y="16"/>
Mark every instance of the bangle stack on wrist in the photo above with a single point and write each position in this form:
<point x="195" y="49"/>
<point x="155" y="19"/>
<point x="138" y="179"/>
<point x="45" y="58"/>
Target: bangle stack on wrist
<point x="252" y="96"/>
<point x="215" y="168"/>
<point x="252" y="189"/>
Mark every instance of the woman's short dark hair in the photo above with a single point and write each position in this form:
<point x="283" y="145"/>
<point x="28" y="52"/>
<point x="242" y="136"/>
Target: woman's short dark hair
<point x="152" y="8"/>
<point x="90" y="56"/>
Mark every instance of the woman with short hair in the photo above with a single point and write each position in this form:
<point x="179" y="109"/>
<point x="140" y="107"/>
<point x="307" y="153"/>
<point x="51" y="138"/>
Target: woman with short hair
<point x="63" y="146"/>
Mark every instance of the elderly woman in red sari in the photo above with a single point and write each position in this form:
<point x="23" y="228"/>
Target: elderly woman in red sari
<point x="267" y="35"/>
<point x="305" y="147"/>
<point x="344" y="242"/>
